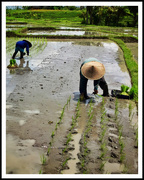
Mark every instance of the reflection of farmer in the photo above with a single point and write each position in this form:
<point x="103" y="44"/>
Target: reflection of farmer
<point x="21" y="65"/>
<point x="20" y="45"/>
<point x="94" y="70"/>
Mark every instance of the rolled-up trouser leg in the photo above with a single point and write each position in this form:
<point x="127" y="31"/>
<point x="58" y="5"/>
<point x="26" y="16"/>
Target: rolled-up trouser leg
<point x="83" y="85"/>
<point x="104" y="86"/>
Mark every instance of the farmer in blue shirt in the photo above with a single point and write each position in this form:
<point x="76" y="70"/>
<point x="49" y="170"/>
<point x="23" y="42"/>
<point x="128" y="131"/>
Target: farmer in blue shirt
<point x="94" y="70"/>
<point x="20" y="45"/>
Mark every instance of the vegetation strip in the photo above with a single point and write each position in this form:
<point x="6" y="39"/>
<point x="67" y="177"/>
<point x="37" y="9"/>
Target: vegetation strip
<point x="131" y="65"/>
<point x="84" y="149"/>
<point x="69" y="136"/>
<point x="43" y="157"/>
<point x="58" y="123"/>
<point x="103" y="146"/>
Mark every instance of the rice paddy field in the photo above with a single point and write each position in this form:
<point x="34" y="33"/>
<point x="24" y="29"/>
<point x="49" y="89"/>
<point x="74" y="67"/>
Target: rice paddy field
<point x="49" y="131"/>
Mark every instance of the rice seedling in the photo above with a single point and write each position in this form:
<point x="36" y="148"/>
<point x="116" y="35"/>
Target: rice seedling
<point x="116" y="109"/>
<point x="102" y="165"/>
<point x="48" y="151"/>
<point x="130" y="109"/>
<point x="122" y="145"/>
<point x="56" y="126"/>
<point x="40" y="171"/>
<point x="131" y="114"/>
<point x="83" y="163"/>
<point x="43" y="159"/>
<point x="122" y="157"/>
<point x="69" y="138"/>
<point x="103" y="146"/>
<point x="102" y="134"/>
<point x="64" y="163"/>
<point x="136" y="136"/>
<point x="68" y="101"/>
<point x="65" y="149"/>
<point x="53" y="134"/>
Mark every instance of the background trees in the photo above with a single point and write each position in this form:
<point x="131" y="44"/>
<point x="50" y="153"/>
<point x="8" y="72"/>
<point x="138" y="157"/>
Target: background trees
<point x="111" y="15"/>
<point x="126" y="16"/>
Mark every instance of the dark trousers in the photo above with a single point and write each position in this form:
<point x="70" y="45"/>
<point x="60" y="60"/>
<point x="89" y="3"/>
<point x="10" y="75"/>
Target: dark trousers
<point x="16" y="51"/>
<point x="101" y="82"/>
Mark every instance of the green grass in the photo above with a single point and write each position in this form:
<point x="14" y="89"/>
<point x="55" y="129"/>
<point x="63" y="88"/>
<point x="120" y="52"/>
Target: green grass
<point x="131" y="65"/>
<point x="46" y="17"/>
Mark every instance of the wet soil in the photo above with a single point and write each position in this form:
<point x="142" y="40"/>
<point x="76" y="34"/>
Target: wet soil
<point x="134" y="49"/>
<point x="37" y="97"/>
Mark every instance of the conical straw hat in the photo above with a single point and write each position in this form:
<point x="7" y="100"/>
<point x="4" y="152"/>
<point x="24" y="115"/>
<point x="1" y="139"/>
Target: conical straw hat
<point x="93" y="70"/>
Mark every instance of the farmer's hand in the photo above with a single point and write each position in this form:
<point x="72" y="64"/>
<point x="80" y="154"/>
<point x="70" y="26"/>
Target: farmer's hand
<point x="95" y="92"/>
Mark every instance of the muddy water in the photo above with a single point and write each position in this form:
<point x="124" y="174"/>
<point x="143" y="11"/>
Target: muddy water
<point x="35" y="97"/>
<point x="65" y="32"/>
<point x="20" y="154"/>
<point x="59" y="32"/>
<point x="74" y="31"/>
<point x="72" y="163"/>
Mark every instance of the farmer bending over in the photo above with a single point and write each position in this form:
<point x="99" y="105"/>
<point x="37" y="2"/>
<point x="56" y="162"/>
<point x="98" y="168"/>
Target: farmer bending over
<point x="94" y="70"/>
<point x="20" y="45"/>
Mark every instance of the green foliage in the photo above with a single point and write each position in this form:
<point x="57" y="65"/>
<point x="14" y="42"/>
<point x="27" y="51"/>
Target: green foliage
<point x="64" y="163"/>
<point x="12" y="61"/>
<point x="116" y="109"/>
<point x="99" y="15"/>
<point x="124" y="88"/>
<point x="132" y="67"/>
<point x="111" y="16"/>
<point x="43" y="159"/>
<point x="57" y="15"/>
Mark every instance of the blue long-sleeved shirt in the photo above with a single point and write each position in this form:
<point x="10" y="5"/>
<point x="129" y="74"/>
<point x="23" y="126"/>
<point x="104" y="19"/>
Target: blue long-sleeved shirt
<point x="89" y="60"/>
<point x="23" y="44"/>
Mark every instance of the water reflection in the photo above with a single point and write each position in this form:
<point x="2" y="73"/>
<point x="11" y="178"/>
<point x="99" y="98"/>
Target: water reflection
<point x="58" y="32"/>
<point x="22" y="67"/>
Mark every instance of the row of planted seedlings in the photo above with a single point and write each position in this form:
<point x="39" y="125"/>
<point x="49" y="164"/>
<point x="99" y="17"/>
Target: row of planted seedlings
<point x="38" y="44"/>
<point x="69" y="136"/>
<point x="120" y="146"/>
<point x="120" y="130"/>
<point x="122" y="158"/>
<point x="84" y="140"/>
<point x="43" y="157"/>
<point x="105" y="156"/>
<point x="102" y="139"/>
<point x="135" y="126"/>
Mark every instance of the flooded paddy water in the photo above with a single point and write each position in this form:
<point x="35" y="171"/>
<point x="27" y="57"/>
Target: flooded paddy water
<point x="37" y="95"/>
<point x="69" y="31"/>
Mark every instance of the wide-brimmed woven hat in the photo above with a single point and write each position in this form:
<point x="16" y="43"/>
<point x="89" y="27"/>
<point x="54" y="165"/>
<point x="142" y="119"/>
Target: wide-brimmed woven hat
<point x="93" y="70"/>
<point x="30" y="45"/>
